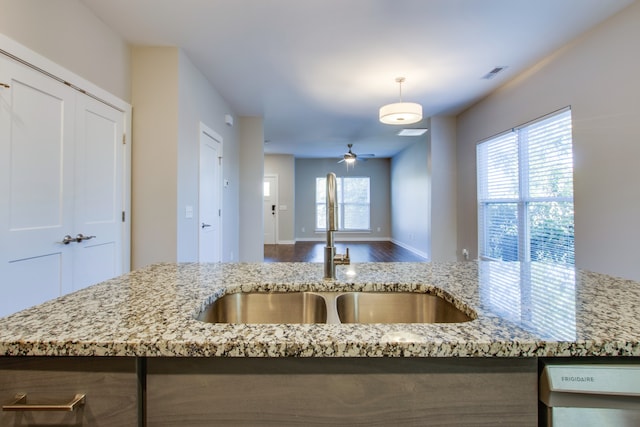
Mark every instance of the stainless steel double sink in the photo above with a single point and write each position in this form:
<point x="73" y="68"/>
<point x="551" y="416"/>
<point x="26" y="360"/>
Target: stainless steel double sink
<point x="332" y="307"/>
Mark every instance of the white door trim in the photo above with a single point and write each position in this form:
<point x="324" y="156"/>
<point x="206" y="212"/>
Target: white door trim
<point x="205" y="130"/>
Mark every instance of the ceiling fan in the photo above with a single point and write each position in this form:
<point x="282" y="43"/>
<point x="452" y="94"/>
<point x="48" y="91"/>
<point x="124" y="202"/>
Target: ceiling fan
<point x="350" y="157"/>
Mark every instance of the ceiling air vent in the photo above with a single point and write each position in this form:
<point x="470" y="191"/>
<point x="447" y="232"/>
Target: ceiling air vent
<point x="497" y="70"/>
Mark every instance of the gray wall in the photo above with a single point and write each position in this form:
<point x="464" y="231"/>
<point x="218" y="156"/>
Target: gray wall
<point x="307" y="170"/>
<point x="423" y="193"/>
<point x="411" y="197"/>
<point x="283" y="165"/>
<point x="597" y="75"/>
<point x="251" y="141"/>
<point x="442" y="164"/>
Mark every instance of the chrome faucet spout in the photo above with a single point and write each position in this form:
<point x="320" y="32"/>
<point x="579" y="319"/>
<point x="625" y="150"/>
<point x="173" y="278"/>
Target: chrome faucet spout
<point x="332" y="206"/>
<point x="331" y="259"/>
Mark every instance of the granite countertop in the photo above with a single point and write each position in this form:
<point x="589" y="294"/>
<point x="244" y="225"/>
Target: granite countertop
<point x="522" y="310"/>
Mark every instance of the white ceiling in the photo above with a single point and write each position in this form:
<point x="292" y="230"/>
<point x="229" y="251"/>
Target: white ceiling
<point x="318" y="70"/>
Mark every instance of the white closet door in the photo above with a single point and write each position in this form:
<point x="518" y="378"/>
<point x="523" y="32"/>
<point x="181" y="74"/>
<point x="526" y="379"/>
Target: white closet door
<point x="61" y="174"/>
<point x="36" y="186"/>
<point x="99" y="186"/>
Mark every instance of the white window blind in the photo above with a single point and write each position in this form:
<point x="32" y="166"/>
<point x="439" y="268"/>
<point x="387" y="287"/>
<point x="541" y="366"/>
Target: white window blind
<point x="353" y="203"/>
<point x="525" y="193"/>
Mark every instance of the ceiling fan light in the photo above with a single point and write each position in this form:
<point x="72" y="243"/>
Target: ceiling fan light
<point x="401" y="113"/>
<point x="350" y="160"/>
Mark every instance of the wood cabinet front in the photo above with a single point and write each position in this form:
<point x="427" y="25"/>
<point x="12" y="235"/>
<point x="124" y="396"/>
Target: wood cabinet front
<point x="341" y="391"/>
<point x="109" y="384"/>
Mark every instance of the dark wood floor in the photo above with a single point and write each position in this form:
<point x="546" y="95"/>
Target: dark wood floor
<point x="358" y="252"/>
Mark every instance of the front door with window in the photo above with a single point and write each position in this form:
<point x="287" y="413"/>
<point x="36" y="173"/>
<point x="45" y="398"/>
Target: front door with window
<point x="270" y="209"/>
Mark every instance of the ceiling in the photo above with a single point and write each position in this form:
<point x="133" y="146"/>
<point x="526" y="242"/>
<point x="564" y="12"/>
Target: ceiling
<point x="318" y="70"/>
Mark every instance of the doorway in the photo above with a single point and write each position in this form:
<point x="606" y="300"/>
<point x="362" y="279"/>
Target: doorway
<point x="209" y="197"/>
<point x="270" y="209"/>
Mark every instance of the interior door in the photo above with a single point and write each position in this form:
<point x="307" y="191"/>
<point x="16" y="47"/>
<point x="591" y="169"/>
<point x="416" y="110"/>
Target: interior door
<point x="210" y="211"/>
<point x="36" y="186"/>
<point x="98" y="185"/>
<point x="270" y="209"/>
<point x="61" y="188"/>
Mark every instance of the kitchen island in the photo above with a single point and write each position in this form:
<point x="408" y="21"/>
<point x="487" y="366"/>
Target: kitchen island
<point x="521" y="312"/>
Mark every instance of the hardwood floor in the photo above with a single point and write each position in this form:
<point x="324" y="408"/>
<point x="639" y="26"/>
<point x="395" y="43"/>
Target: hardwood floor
<point x="358" y="252"/>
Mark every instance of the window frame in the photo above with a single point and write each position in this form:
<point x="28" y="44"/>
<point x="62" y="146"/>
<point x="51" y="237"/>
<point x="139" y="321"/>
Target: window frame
<point x="341" y="204"/>
<point x="524" y="200"/>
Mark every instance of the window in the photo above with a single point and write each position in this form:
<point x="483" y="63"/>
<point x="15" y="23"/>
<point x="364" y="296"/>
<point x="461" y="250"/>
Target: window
<point x="525" y="193"/>
<point x="353" y="204"/>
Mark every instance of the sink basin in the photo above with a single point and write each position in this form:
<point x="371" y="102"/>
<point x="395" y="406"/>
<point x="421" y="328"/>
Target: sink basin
<point x="331" y="307"/>
<point x="273" y="307"/>
<point x="396" y="307"/>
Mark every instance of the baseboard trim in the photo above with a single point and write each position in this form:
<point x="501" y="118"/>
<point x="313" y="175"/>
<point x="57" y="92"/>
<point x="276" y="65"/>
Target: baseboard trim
<point x="339" y="238"/>
<point x="411" y="249"/>
<point x="286" y="242"/>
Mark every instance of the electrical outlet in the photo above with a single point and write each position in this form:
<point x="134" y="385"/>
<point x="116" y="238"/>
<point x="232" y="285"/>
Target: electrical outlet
<point x="465" y="254"/>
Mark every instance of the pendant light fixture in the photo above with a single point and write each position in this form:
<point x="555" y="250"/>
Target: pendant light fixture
<point x="401" y="113"/>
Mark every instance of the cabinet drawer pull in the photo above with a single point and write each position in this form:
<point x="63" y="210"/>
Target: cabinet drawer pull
<point x="21" y="404"/>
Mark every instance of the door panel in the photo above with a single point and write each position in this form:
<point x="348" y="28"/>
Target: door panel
<point x="36" y="185"/>
<point x="94" y="263"/>
<point x="209" y="239"/>
<point x="37" y="145"/>
<point x="98" y="208"/>
<point x="98" y="165"/>
<point x="34" y="281"/>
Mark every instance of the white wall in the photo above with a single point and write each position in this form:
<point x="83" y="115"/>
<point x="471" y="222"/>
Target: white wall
<point x="597" y="76"/>
<point x="283" y="165"/>
<point x="307" y="170"/>
<point x="154" y="154"/>
<point x="200" y="102"/>
<point x="251" y="140"/>
<point x="69" y="34"/>
<point x="411" y="198"/>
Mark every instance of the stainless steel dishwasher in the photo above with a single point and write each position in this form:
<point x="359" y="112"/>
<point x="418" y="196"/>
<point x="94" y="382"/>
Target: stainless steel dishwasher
<point x="589" y="395"/>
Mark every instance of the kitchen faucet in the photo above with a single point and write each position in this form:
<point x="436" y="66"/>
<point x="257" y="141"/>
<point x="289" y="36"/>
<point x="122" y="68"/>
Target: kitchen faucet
<point x="331" y="259"/>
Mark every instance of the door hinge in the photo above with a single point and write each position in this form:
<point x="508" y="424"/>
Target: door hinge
<point x="219" y="212"/>
<point x="123" y="216"/>
<point x="124" y="139"/>
<point x="219" y="161"/>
